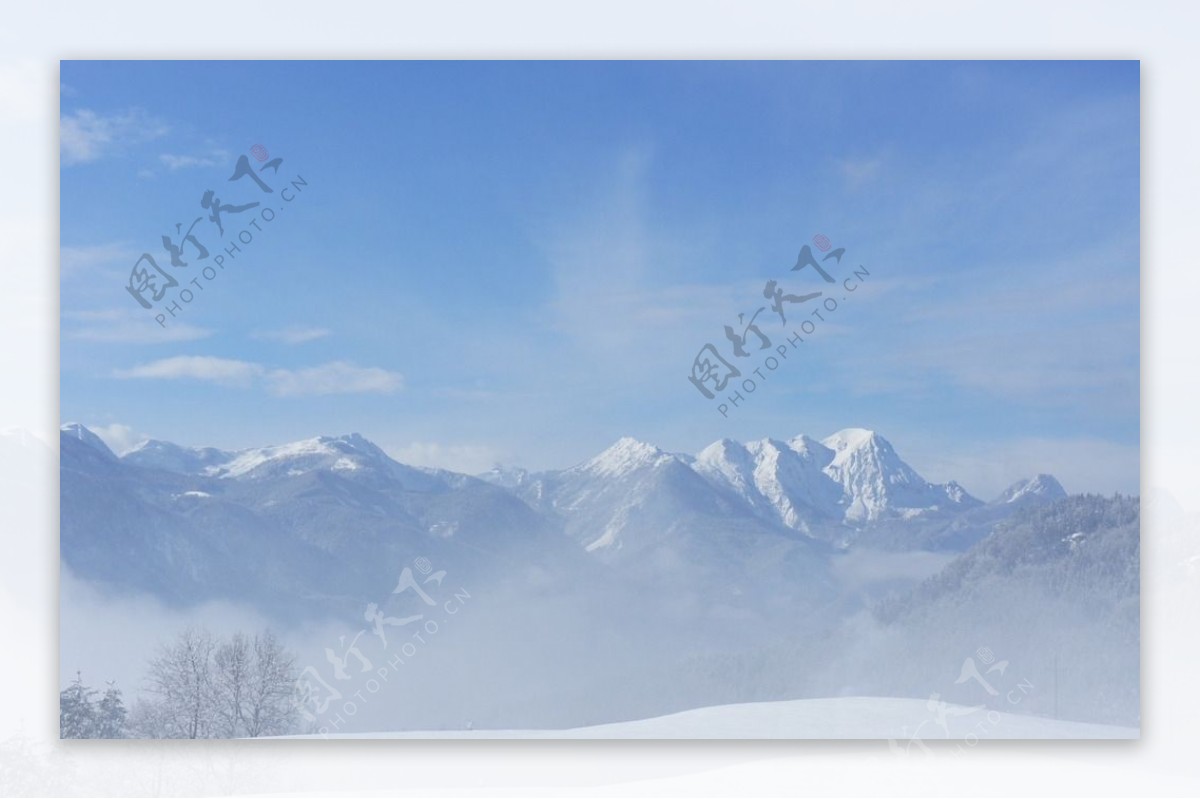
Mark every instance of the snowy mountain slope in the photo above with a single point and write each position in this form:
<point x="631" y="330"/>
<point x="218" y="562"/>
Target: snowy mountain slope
<point x="877" y="483"/>
<point x="328" y="520"/>
<point x="653" y="518"/>
<point x="781" y="482"/>
<point x="963" y="530"/>
<point x="77" y="432"/>
<point x="152" y="454"/>
<point x="1055" y="588"/>
<point x="1079" y="545"/>
<point x="628" y="497"/>
<point x="910" y="723"/>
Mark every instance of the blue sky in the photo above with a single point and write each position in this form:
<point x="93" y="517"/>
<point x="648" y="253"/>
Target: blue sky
<point x="518" y="261"/>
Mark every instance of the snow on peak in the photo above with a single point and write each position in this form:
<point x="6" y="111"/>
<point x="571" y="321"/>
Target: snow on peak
<point x="857" y="449"/>
<point x="811" y="449"/>
<point x="877" y="481"/>
<point x="727" y="463"/>
<point x="1039" y="487"/>
<point x="723" y="456"/>
<point x="625" y="456"/>
<point x="358" y="443"/>
<point x="851" y="439"/>
<point x="81" y="433"/>
<point x="957" y="493"/>
<point x="341" y="453"/>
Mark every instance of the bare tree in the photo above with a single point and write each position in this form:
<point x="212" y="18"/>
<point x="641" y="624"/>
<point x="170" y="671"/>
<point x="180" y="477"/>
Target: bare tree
<point x="181" y="679"/>
<point x="205" y="688"/>
<point x="270" y="709"/>
<point x="231" y="681"/>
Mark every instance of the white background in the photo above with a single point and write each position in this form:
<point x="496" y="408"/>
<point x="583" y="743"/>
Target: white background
<point x="1162" y="35"/>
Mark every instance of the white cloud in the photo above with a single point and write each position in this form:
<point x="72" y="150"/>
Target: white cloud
<point x="224" y="371"/>
<point x="89" y="257"/>
<point x="464" y="458"/>
<point x="335" y="377"/>
<point x="615" y="278"/>
<point x="859" y="171"/>
<point x="120" y="438"/>
<point x="121" y="326"/>
<point x="174" y="162"/>
<point x="87" y="136"/>
<point x="291" y="335"/>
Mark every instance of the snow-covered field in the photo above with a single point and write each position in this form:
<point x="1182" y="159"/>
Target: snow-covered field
<point x="910" y="722"/>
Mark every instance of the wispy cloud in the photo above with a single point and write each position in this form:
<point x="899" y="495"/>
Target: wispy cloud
<point x="87" y="136"/>
<point x="291" y="335"/>
<point x="174" y="162"/>
<point x="125" y="327"/>
<point x="464" y="458"/>
<point x="120" y="438"/>
<point x="223" y="371"/>
<point x="614" y="281"/>
<point x="335" y="377"/>
<point x="857" y="172"/>
<point x="114" y="257"/>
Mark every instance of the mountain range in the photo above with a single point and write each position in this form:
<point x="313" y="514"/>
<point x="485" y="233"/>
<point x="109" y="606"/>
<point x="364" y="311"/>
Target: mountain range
<point x="321" y="519"/>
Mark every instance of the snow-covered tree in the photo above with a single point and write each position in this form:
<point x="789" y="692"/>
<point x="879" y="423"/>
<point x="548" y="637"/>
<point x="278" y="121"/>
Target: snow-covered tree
<point x="110" y="714"/>
<point x="254" y="681"/>
<point x="202" y="687"/>
<point x="76" y="710"/>
<point x="181" y="681"/>
<point x="269" y="709"/>
<point x="231" y="678"/>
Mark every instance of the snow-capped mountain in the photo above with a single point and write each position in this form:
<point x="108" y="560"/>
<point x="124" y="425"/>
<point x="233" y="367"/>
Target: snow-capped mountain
<point x="349" y="453"/>
<point x="782" y="482"/>
<point x="878" y="484"/>
<point x="628" y="496"/>
<point x="77" y="432"/>
<point x="829" y="491"/>
<point x="1039" y="488"/>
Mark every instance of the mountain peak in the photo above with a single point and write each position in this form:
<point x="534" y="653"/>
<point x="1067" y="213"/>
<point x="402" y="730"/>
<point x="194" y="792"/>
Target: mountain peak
<point x="1040" y="487"/>
<point x="626" y="455"/>
<point x="355" y="441"/>
<point x="851" y="438"/>
<point x="811" y="450"/>
<point x="341" y="453"/>
<point x="79" y="432"/>
<point x="723" y="444"/>
<point x="173" y="457"/>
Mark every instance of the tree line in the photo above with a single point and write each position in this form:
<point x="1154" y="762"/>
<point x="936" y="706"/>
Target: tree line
<point x="197" y="686"/>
